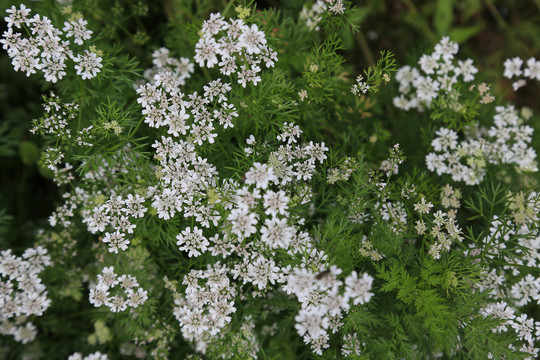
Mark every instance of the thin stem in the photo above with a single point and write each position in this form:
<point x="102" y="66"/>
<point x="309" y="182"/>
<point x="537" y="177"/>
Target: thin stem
<point x="227" y="8"/>
<point x="495" y="13"/>
<point x="136" y="128"/>
<point x="361" y="39"/>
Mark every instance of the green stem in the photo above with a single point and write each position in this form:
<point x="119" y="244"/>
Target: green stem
<point x="361" y="39"/>
<point x="136" y="128"/>
<point x="206" y="74"/>
<point x="495" y="13"/>
<point x="227" y="8"/>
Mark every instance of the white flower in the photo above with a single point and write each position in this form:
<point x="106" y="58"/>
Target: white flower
<point x="275" y="233"/>
<point x="243" y="222"/>
<point x="252" y="39"/>
<point x="17" y="16"/>
<point x="206" y="50"/>
<point x="275" y="203"/>
<point x="261" y="175"/>
<point x="78" y="30"/>
<point x="466" y="69"/>
<point x="512" y="67"/>
<point x="108" y="277"/>
<point x="358" y="289"/>
<point x="192" y="241"/>
<point x="446" y="49"/>
<point x="533" y="69"/>
<point x="214" y="25"/>
<point x="88" y="64"/>
<point x="160" y="57"/>
<point x="446" y="139"/>
<point x="426" y="88"/>
<point x="311" y="322"/>
<point x="428" y="63"/>
<point x="262" y="271"/>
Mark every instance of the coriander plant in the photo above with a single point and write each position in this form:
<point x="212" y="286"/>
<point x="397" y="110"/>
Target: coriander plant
<point x="225" y="182"/>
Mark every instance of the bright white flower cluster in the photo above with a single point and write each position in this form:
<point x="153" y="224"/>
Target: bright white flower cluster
<point x="360" y="87"/>
<point x="103" y="295"/>
<point x="438" y="72"/>
<point x="208" y="302"/>
<point x="95" y="356"/>
<point x="195" y="117"/>
<point x="183" y="178"/>
<point x="512" y="69"/>
<point x="114" y="218"/>
<point x="313" y="15"/>
<point x="235" y="47"/>
<point x="258" y="209"/>
<point x="324" y="301"/>
<point x="505" y="142"/>
<point x="47" y="49"/>
<point x="167" y="70"/>
<point x="295" y="162"/>
<point x="21" y="292"/>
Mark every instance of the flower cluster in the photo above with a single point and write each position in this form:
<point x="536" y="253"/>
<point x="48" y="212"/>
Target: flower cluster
<point x="311" y="16"/>
<point x="438" y="72"/>
<point x="168" y="70"/>
<point x="48" y="48"/>
<point x="343" y="172"/>
<point x="95" y="356"/>
<point x="21" y="292"/>
<point x="197" y="115"/>
<point x="512" y="69"/>
<point x="351" y="345"/>
<point x="360" y="86"/>
<point x="103" y="294"/>
<point x="324" y="301"/>
<point x="241" y="48"/>
<point x="208" y="302"/>
<point x="118" y="214"/>
<point x="505" y="142"/>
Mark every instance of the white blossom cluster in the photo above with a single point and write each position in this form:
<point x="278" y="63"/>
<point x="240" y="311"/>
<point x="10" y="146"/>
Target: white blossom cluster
<point x="56" y="123"/>
<point x="311" y="16"/>
<point x="438" y="72"/>
<point x="115" y="218"/>
<point x="102" y="181"/>
<point x="235" y="47"/>
<point x="324" y="300"/>
<point x="394" y="213"/>
<point x="94" y="356"/>
<point x="506" y="141"/>
<point x="444" y="230"/>
<point x="525" y="328"/>
<point x="512" y="69"/>
<point x="508" y="285"/>
<point x="183" y="178"/>
<point x="250" y="220"/>
<point x="130" y="295"/>
<point x="351" y="345"/>
<point x="206" y="307"/>
<point x="21" y="292"/>
<point x="257" y="222"/>
<point x="360" y="86"/>
<point x="168" y="70"/>
<point x="48" y="48"/>
<point x="194" y="116"/>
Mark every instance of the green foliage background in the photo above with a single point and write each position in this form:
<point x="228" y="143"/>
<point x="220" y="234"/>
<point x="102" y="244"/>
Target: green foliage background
<point x="426" y="297"/>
